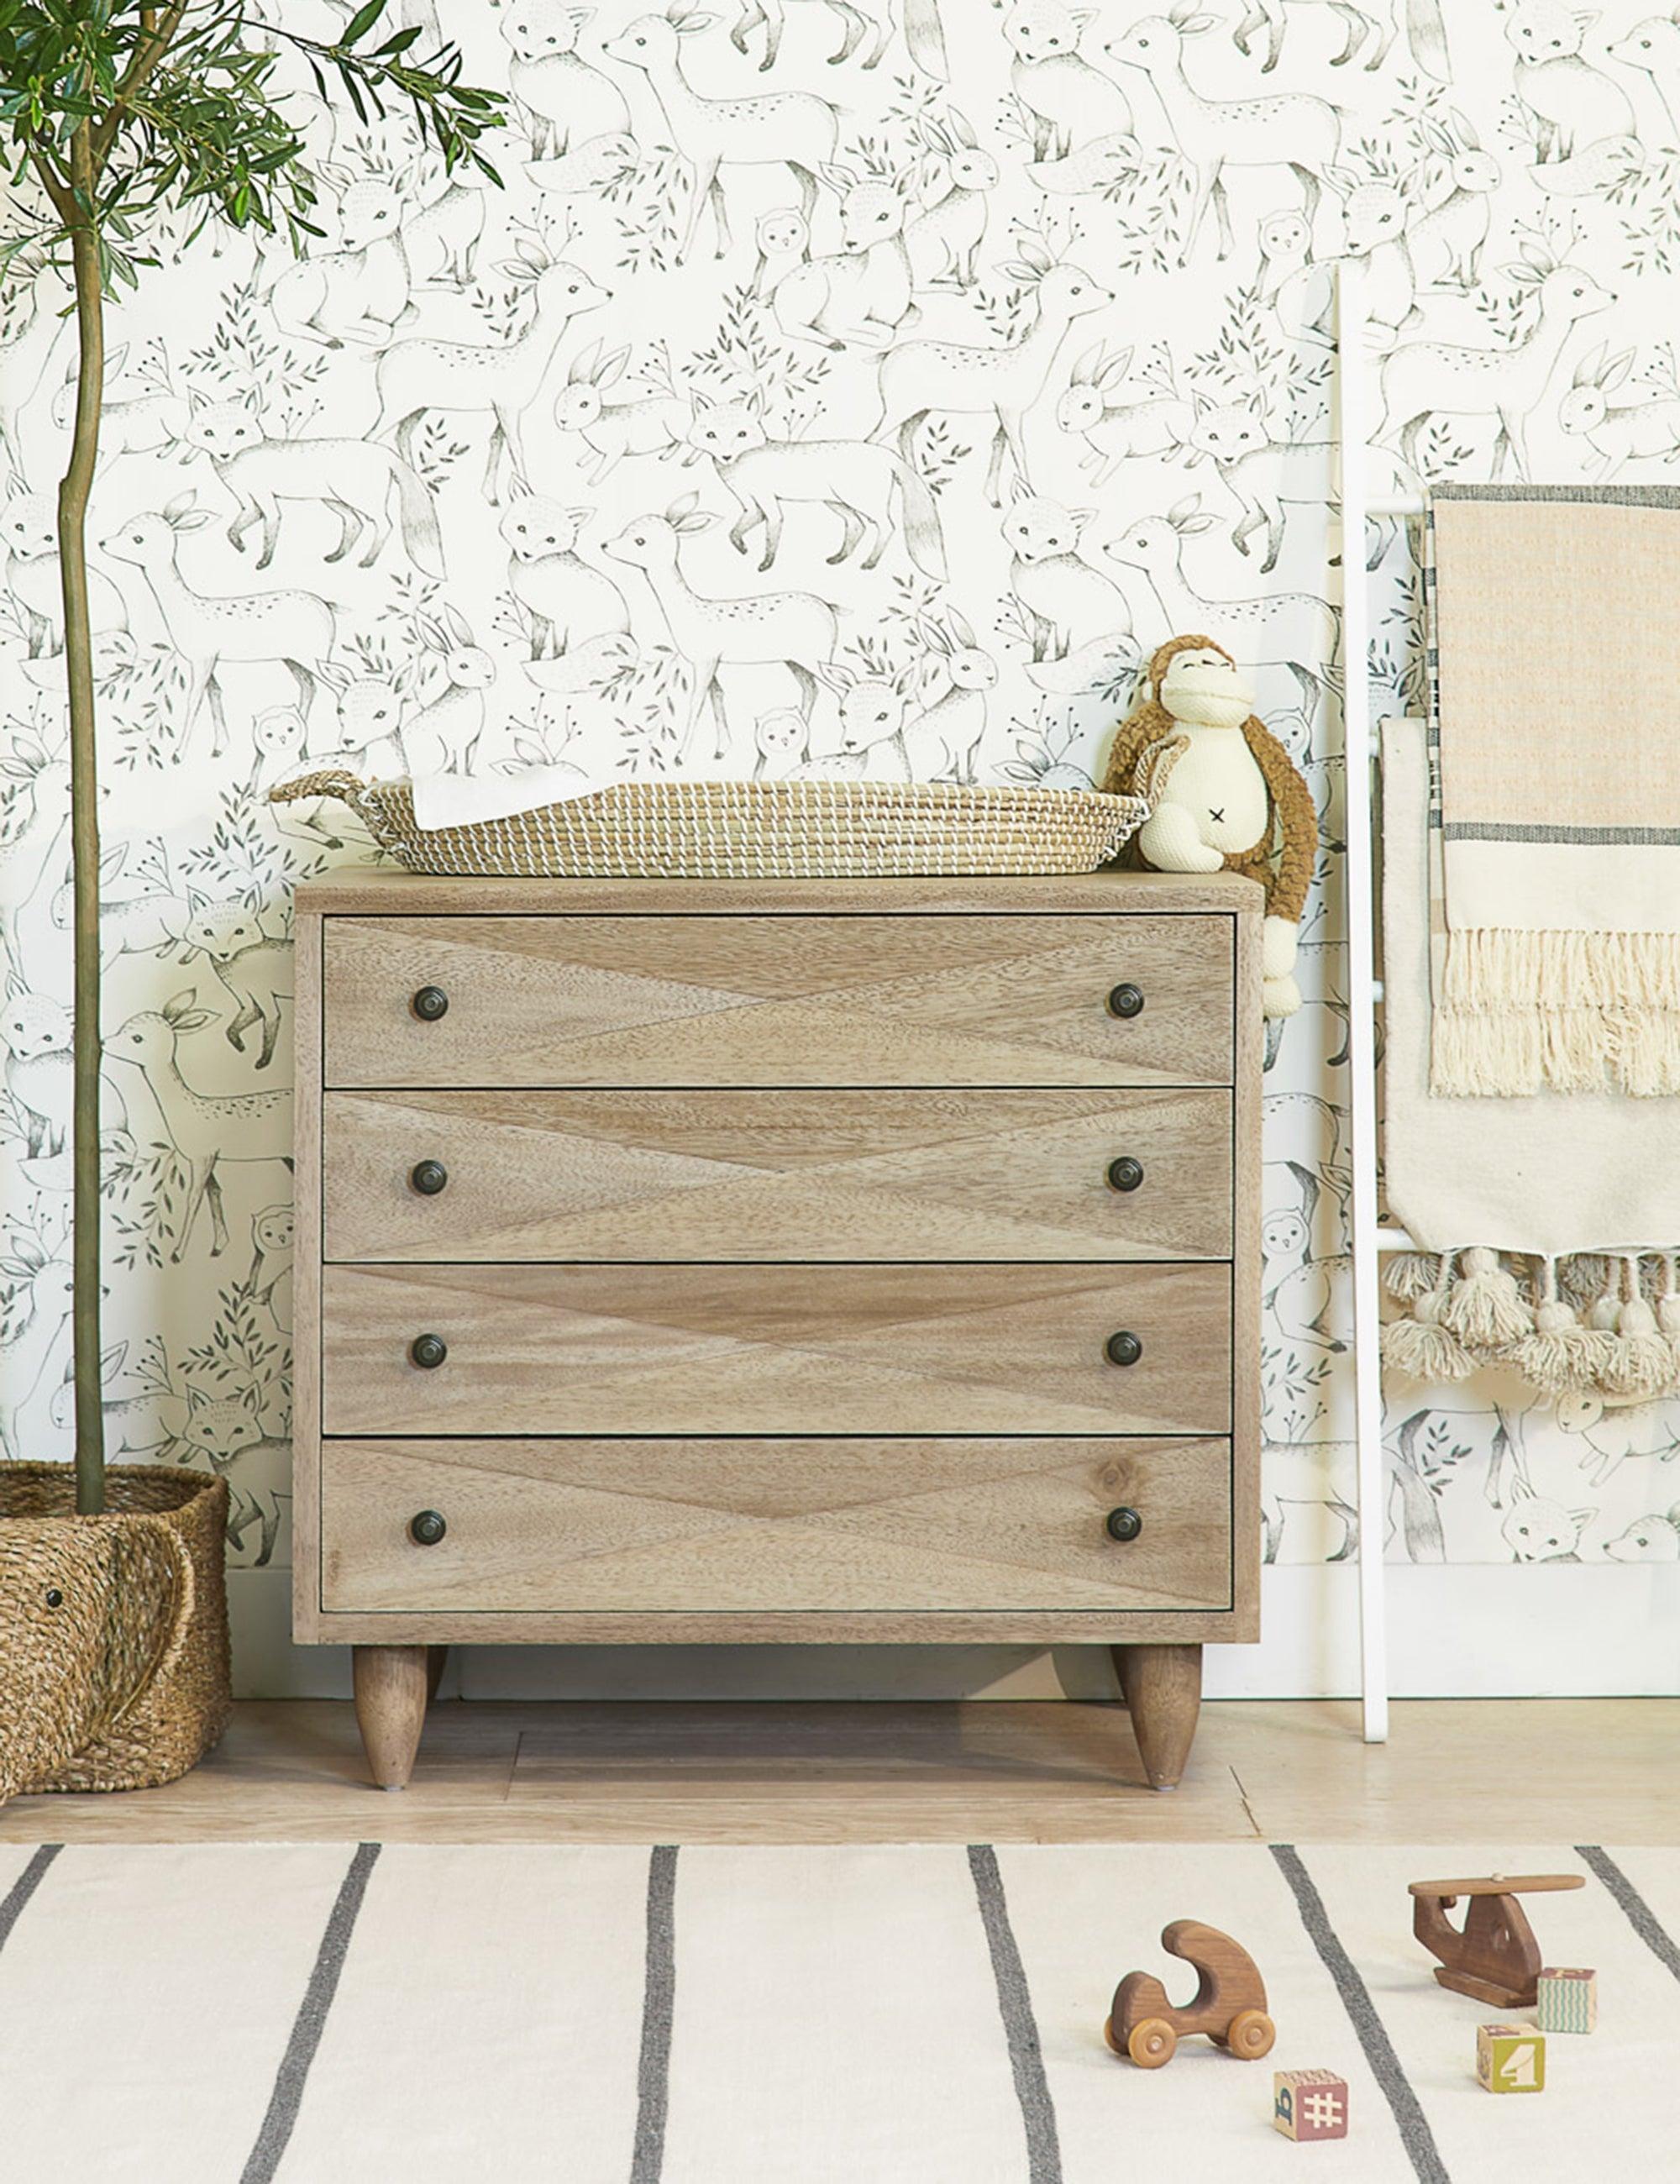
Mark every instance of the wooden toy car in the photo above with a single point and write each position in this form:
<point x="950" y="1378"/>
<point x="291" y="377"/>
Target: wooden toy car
<point x="1229" y="2004"/>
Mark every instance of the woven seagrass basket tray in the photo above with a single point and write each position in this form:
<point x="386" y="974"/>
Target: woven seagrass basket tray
<point x="752" y="830"/>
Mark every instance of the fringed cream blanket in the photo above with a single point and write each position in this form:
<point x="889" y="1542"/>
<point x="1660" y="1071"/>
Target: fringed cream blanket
<point x="1555" y="789"/>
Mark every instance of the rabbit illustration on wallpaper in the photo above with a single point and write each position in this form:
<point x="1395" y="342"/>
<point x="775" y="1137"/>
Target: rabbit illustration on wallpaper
<point x="954" y="181"/>
<point x="211" y="631"/>
<point x="953" y="689"/>
<point x="1119" y="422"/>
<point x="919" y="377"/>
<point x="645" y="424"/>
<point x="858" y="296"/>
<point x="1573" y="103"/>
<point x="866" y="25"/>
<point x="148" y="1419"/>
<point x="857" y="479"/>
<point x="1449" y="236"/>
<point x="1507" y="383"/>
<point x="138" y="916"/>
<point x="1612" y="1431"/>
<point x="795" y="630"/>
<point x="137" y="417"/>
<point x="443" y="736"/>
<point x="786" y="128"/>
<point x="1068" y="100"/>
<point x="568" y="601"/>
<point x="357" y="479"/>
<point x="1293" y="129"/>
<point x="563" y="98"/>
<point x="1642" y="429"/>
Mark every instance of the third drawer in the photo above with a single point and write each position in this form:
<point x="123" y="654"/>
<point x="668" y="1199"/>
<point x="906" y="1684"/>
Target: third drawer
<point x="777" y="1349"/>
<point x="743" y="1175"/>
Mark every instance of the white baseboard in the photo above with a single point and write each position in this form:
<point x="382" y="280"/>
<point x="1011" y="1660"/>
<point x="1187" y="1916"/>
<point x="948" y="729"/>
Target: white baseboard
<point x="1494" y="1630"/>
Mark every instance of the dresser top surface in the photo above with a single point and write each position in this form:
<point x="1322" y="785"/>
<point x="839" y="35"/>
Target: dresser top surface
<point x="364" y="890"/>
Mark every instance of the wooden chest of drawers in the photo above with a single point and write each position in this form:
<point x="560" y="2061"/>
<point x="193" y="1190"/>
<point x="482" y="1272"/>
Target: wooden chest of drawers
<point x="801" y="1261"/>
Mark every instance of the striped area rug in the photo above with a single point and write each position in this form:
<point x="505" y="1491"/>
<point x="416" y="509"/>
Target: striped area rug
<point x="336" y="2014"/>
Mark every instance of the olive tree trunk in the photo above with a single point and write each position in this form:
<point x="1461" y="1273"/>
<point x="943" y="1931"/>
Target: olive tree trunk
<point x="72" y="495"/>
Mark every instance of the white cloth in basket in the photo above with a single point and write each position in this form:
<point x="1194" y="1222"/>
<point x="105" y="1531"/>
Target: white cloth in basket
<point x="460" y="800"/>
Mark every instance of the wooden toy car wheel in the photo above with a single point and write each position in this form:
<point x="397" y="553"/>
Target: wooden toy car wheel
<point x="1154" y="2042"/>
<point x="1249" y="2035"/>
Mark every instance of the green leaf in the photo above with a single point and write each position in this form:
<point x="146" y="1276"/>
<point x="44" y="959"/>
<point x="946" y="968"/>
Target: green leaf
<point x="362" y="22"/>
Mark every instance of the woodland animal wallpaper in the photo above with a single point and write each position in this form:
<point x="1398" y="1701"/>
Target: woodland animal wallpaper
<point x="861" y="385"/>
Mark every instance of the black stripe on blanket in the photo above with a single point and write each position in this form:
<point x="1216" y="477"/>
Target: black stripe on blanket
<point x="1640" y="1916"/>
<point x="290" y="2079"/>
<point x="1020" y="2027"/>
<point x="1415" y="2134"/>
<point x="658" y="2003"/>
<point x="17" y="1894"/>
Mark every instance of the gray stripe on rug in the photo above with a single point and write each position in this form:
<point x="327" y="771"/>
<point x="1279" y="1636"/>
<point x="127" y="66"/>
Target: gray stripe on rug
<point x="287" y="2097"/>
<point x="1020" y="2027"/>
<point x="658" y="2003"/>
<point x="1640" y="1916"/>
<point x="17" y="1894"/>
<point x="1416" y="2135"/>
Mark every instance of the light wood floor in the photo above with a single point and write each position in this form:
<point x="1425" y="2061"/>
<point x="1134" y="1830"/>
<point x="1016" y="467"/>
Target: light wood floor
<point x="1456" y="1771"/>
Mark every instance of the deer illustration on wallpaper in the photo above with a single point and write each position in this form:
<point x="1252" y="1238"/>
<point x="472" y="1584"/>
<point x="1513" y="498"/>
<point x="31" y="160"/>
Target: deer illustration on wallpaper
<point x="213" y="630"/>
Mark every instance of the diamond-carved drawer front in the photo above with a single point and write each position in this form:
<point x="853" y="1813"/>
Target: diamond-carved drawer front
<point x="697" y="1527"/>
<point x="881" y="1349"/>
<point x="739" y="1001"/>
<point x="741" y="1175"/>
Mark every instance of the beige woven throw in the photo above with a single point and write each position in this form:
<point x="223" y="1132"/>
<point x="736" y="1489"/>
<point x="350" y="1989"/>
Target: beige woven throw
<point x="1555" y="789"/>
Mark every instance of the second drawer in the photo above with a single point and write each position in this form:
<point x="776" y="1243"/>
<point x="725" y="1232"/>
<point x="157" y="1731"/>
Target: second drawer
<point x="979" y="1349"/>
<point x="644" y="1175"/>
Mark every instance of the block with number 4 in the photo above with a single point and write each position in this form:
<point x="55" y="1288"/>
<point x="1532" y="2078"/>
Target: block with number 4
<point x="1510" y="2059"/>
<point x="1568" y="2001"/>
<point x="1309" y="2104"/>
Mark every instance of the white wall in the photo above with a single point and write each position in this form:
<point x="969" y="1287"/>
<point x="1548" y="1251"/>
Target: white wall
<point x="229" y="347"/>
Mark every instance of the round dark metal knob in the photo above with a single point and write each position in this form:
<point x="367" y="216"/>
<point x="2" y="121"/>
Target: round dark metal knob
<point x="429" y="1003"/>
<point x="1126" y="1001"/>
<point x="428" y="1350"/>
<point x="428" y="1528"/>
<point x="429" y="1177"/>
<point x="1125" y="1173"/>
<point x="1120" y="1525"/>
<point x="1124" y="1348"/>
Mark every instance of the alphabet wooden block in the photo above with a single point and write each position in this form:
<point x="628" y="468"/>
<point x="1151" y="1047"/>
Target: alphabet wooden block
<point x="1510" y="2059"/>
<point x="1568" y="2001"/>
<point x="1310" y="2105"/>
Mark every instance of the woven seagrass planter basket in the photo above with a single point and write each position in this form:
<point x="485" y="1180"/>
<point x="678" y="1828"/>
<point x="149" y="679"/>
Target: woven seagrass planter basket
<point x="113" y="1644"/>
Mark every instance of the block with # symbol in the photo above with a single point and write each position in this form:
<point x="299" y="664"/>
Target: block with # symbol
<point x="1568" y="2001"/>
<point x="1510" y="2059"/>
<point x="1310" y="2105"/>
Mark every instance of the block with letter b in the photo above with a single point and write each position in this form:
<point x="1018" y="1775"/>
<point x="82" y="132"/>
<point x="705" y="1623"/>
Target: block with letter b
<point x="1568" y="2001"/>
<point x="1510" y="2059"/>
<point x="1310" y="2105"/>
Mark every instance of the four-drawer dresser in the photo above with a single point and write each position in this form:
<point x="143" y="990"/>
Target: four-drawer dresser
<point x="705" y="1262"/>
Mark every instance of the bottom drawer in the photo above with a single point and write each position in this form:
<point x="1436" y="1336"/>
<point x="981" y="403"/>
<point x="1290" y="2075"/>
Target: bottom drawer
<point x="734" y="1526"/>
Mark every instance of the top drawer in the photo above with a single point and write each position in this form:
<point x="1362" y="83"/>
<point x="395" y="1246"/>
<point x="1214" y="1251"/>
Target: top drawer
<point x="836" y="999"/>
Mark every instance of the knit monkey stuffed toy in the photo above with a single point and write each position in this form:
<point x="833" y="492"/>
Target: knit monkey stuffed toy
<point x="1224" y="795"/>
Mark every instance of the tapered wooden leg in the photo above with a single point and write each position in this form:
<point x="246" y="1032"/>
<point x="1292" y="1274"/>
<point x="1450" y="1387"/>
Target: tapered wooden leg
<point x="390" y="1696"/>
<point x="435" y="1658"/>
<point x="1163" y="1690"/>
